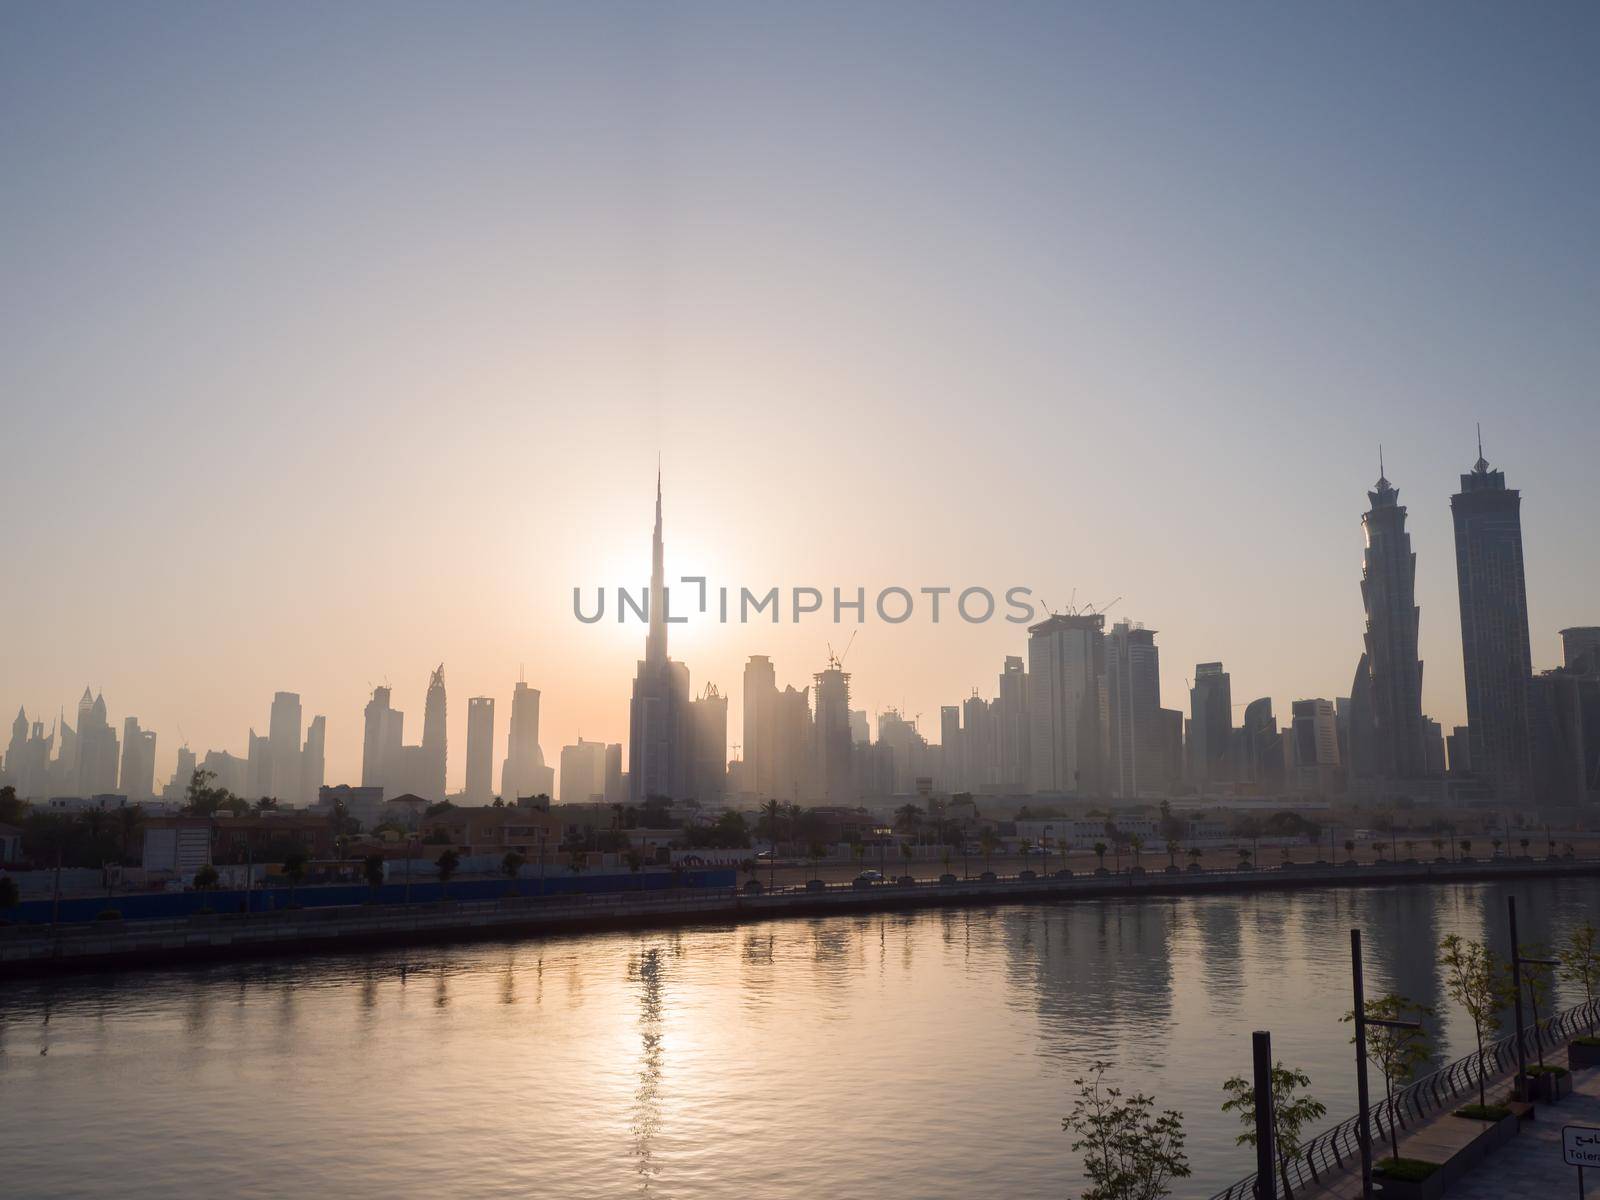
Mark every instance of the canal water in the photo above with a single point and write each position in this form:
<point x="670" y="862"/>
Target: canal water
<point x="929" y="1053"/>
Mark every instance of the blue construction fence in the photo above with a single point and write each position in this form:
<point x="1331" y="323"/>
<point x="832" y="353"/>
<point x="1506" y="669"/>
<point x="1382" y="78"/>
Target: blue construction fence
<point x="145" y="906"/>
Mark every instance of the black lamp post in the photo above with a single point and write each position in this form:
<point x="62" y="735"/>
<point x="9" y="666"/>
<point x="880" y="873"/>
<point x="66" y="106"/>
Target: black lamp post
<point x="1363" y="1123"/>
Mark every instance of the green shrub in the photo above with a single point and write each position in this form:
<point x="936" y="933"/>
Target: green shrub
<point x="1406" y="1170"/>
<point x="1550" y="1069"/>
<point x="108" y="914"/>
<point x="1483" y="1112"/>
<point x="1587" y="1039"/>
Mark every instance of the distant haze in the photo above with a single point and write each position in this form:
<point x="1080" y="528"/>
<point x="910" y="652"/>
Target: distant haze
<point x="340" y="342"/>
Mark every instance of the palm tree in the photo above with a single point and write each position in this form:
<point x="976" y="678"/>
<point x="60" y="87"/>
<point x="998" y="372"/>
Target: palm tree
<point x="907" y="817"/>
<point x="1411" y="848"/>
<point x="1244" y="857"/>
<point x="131" y="818"/>
<point x="1025" y="848"/>
<point x="1495" y="843"/>
<point x="294" y="870"/>
<point x="1523" y="842"/>
<point x="1172" y="853"/>
<point x="772" y="810"/>
<point x="815" y="852"/>
<point x="1100" y="853"/>
<point x="1137" y="842"/>
<point x="906" y="851"/>
<point x="1194" y="856"/>
<point x="372" y="867"/>
<point x="986" y="840"/>
<point x="1438" y="847"/>
<point x="1350" y="847"/>
<point x="1466" y="847"/>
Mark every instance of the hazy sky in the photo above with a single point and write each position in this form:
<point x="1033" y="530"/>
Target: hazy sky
<point x="342" y="340"/>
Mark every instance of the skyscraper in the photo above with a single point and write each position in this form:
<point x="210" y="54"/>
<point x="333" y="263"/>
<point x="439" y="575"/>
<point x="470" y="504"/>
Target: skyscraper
<point x="97" y="748"/>
<point x="1388" y="592"/>
<point x="480" y="750"/>
<point x="1066" y="685"/>
<point x="524" y="772"/>
<point x="955" y="774"/>
<point x="833" y="745"/>
<point x="658" y="719"/>
<point x="1210" y="724"/>
<point x="283" y="732"/>
<point x="138" y="760"/>
<point x="1011" y="724"/>
<point x="313" y="759"/>
<point x="431" y="777"/>
<point x="1133" y="700"/>
<point x="380" y="745"/>
<point x="1580" y="649"/>
<point x="1263" y="745"/>
<point x="760" y="713"/>
<point x="1495" y="652"/>
<point x="708" y="722"/>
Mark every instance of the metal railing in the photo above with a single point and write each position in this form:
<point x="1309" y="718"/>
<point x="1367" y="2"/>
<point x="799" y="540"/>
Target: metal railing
<point x="1334" y="1149"/>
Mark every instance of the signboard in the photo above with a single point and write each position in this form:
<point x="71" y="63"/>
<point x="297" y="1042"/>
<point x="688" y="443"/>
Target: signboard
<point x="1580" y="1145"/>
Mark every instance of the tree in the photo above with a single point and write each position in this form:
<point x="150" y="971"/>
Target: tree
<point x="1194" y="855"/>
<point x="10" y="894"/>
<point x="1538" y="977"/>
<point x="510" y="866"/>
<point x="988" y="842"/>
<point x="1100" y="853"/>
<point x="907" y="818"/>
<point x="446" y="865"/>
<point x="1137" y="842"/>
<point x="372" y="868"/>
<point x="578" y="860"/>
<point x="1396" y="1052"/>
<point x="1129" y="1152"/>
<point x="203" y="800"/>
<point x="1411" y="848"/>
<point x="130" y="819"/>
<point x="1172" y="853"/>
<point x="1025" y="848"/>
<point x="206" y="879"/>
<point x="1524" y="842"/>
<point x="1438" y="847"/>
<point x="635" y="862"/>
<point x="1466" y="846"/>
<point x="12" y="809"/>
<point x="1473" y="980"/>
<point x="1291" y="1113"/>
<point x="1244" y="857"/>
<point x="1350" y="847"/>
<point x="1580" y="960"/>
<point x="294" y="870"/>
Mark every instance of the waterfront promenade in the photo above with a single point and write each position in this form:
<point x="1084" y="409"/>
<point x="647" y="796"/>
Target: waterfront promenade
<point x="144" y="942"/>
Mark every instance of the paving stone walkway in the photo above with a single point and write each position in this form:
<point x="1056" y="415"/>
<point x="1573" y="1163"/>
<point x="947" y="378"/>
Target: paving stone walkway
<point x="1529" y="1166"/>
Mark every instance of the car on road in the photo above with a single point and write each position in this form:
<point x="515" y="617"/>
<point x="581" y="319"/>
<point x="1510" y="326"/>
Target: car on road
<point x="870" y="877"/>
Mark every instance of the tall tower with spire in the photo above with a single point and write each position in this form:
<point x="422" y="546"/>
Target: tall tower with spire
<point x="1394" y="672"/>
<point x="1495" y="649"/>
<point x="660" y="735"/>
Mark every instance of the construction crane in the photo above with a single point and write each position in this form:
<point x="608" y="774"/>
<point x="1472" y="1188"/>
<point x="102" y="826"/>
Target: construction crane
<point x="836" y="661"/>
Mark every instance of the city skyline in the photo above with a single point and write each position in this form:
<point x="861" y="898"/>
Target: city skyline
<point x="1057" y="766"/>
<point x="1083" y="299"/>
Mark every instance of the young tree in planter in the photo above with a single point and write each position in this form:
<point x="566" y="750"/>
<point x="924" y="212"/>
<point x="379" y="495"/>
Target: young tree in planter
<point x="1580" y="959"/>
<point x="446" y="865"/>
<point x="1025" y="848"/>
<point x="1473" y="979"/>
<point x="206" y="879"/>
<point x="1397" y="1053"/>
<point x="1350" y="847"/>
<point x="1194" y="856"/>
<point x="987" y="841"/>
<point x="1136" y="844"/>
<point x="1100" y="853"/>
<point x="907" y="852"/>
<point x="1129" y="1152"/>
<point x="1172" y="853"/>
<point x="1244" y="857"/>
<point x="1291" y="1113"/>
<point x="1538" y="978"/>
<point x="10" y="895"/>
<point x="372" y="868"/>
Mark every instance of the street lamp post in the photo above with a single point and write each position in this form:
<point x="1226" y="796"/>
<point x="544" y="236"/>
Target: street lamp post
<point x="1364" y="1121"/>
<point x="1266" y="1149"/>
<point x="1516" y="986"/>
<point x="1044" y="843"/>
